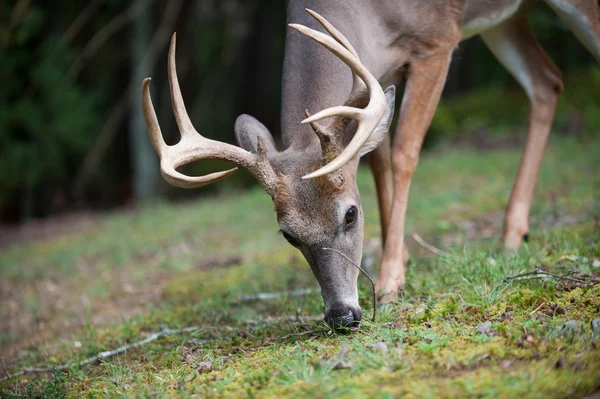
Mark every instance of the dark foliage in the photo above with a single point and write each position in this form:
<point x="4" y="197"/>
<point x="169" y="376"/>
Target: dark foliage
<point x="65" y="65"/>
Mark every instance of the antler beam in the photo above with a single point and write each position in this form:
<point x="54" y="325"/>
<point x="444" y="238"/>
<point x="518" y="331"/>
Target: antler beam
<point x="194" y="147"/>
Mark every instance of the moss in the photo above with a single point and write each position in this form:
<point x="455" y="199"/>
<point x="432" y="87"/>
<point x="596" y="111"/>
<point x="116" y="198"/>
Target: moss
<point x="433" y="346"/>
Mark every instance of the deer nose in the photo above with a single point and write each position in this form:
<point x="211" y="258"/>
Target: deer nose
<point x="343" y="317"/>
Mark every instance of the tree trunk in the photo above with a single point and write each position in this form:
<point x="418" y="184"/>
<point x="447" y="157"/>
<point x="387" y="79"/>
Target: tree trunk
<point x="144" y="162"/>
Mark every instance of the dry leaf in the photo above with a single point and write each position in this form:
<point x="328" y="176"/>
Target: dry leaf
<point x="188" y="357"/>
<point x="204" y="367"/>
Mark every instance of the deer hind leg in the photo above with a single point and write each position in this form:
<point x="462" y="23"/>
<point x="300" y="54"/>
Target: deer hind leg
<point x="583" y="17"/>
<point x="424" y="86"/>
<point x="515" y="46"/>
<point x="380" y="162"/>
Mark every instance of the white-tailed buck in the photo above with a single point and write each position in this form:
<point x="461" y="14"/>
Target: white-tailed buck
<point x="312" y="178"/>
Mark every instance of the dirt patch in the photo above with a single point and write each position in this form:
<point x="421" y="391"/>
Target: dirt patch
<point x="47" y="310"/>
<point x="37" y="230"/>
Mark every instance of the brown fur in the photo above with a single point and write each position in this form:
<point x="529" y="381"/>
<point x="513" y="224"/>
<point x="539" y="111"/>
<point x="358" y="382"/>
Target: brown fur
<point x="327" y="186"/>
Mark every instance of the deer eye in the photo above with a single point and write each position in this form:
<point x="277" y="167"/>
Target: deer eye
<point x="351" y="215"/>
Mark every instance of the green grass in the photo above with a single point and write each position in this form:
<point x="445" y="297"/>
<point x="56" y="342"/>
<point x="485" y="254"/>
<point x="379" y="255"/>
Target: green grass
<point x="172" y="266"/>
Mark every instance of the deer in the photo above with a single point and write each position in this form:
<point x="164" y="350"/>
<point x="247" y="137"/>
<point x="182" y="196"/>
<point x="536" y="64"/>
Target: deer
<point x="311" y="179"/>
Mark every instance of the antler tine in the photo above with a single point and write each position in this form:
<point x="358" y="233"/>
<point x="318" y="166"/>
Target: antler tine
<point x="156" y="137"/>
<point x="193" y="146"/>
<point x="165" y="152"/>
<point x="330" y="141"/>
<point x="337" y="35"/>
<point x="345" y="55"/>
<point x="367" y="118"/>
<point x="181" y="116"/>
<point x="320" y="131"/>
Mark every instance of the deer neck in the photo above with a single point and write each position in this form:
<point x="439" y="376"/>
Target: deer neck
<point x="313" y="78"/>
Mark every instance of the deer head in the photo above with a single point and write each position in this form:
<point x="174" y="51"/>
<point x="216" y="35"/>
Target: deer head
<point x="317" y="210"/>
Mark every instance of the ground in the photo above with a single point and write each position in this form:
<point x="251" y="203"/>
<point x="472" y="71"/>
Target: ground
<point x="465" y="326"/>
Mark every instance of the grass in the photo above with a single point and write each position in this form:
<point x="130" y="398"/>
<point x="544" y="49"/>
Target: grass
<point x="173" y="266"/>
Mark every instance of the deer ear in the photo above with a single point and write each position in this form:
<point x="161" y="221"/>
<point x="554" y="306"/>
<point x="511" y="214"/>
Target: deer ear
<point x="247" y="131"/>
<point x="384" y="124"/>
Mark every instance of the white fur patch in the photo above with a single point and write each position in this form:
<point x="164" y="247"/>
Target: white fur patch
<point x="506" y="52"/>
<point x="482" y="24"/>
<point x="579" y="24"/>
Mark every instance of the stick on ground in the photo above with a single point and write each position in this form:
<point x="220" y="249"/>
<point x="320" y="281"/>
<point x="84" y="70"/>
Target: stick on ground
<point x="539" y="274"/>
<point x="283" y="319"/>
<point x="101" y="355"/>
<point x="268" y="296"/>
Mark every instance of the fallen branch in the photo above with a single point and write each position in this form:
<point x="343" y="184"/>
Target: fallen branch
<point x="269" y="296"/>
<point x="366" y="274"/>
<point x="137" y="344"/>
<point x="542" y="274"/>
<point x="300" y="319"/>
<point x="101" y="355"/>
<point x="300" y="334"/>
<point x="428" y="246"/>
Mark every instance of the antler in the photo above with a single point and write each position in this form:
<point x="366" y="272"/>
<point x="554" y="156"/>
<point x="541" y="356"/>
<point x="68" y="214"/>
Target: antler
<point x="367" y="117"/>
<point x="194" y="147"/>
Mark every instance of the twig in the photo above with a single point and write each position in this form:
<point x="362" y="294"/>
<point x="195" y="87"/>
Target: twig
<point x="542" y="274"/>
<point x="428" y="246"/>
<point x="536" y="309"/>
<point x="284" y="319"/>
<point x="300" y="334"/>
<point x="125" y="348"/>
<point x="269" y="296"/>
<point x="365" y="273"/>
<point x="101" y="355"/>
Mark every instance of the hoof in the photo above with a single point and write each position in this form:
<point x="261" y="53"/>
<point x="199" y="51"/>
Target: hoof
<point x="390" y="297"/>
<point x="513" y="241"/>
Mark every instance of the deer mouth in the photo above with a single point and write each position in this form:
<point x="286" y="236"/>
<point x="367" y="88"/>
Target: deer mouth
<point x="344" y="318"/>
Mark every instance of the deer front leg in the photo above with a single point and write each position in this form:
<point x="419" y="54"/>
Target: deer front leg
<point x="380" y="162"/>
<point x="424" y="86"/>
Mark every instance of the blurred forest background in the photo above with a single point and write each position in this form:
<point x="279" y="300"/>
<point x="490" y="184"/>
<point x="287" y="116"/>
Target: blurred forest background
<point x="72" y="135"/>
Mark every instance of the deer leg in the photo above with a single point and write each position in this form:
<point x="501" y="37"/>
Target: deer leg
<point x="425" y="81"/>
<point x="380" y="162"/>
<point x="515" y="46"/>
<point x="583" y="17"/>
